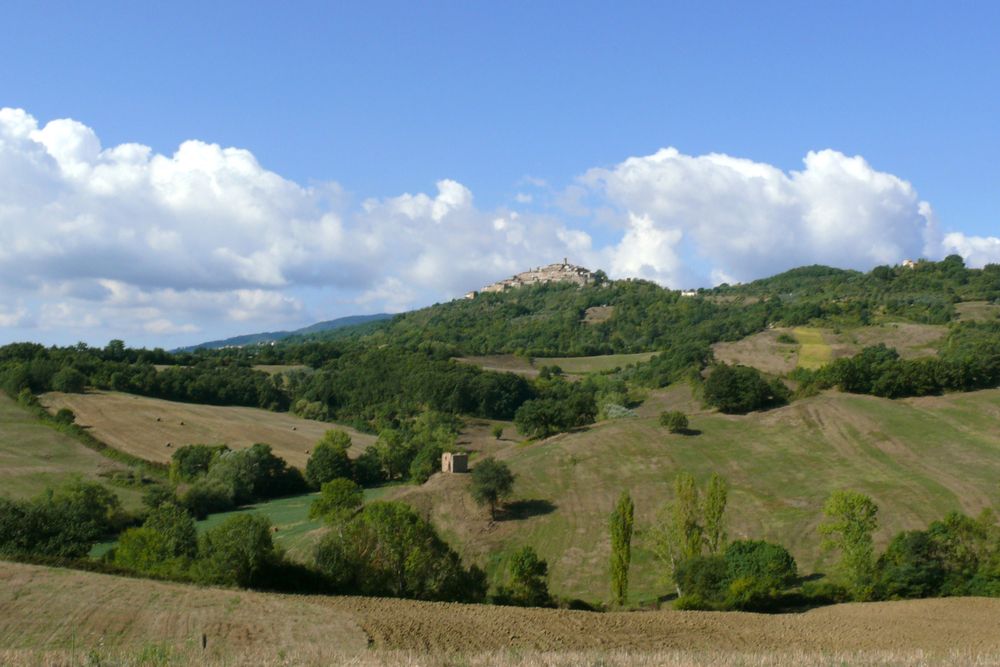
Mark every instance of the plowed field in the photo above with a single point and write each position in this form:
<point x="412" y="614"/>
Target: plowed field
<point x="67" y="612"/>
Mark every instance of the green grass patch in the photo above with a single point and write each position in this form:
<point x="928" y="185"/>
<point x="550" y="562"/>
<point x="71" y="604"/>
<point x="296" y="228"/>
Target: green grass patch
<point x="296" y="531"/>
<point x="35" y="456"/>
<point x="596" y="364"/>
<point x="814" y="352"/>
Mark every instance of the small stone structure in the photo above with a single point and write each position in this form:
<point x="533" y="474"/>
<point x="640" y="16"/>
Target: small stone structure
<point x="454" y="462"/>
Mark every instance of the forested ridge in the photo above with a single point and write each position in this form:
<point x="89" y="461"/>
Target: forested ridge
<point x="394" y="372"/>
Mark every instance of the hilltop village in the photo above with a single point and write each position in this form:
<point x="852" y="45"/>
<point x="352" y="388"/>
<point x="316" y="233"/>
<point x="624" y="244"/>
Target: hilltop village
<point x="553" y="273"/>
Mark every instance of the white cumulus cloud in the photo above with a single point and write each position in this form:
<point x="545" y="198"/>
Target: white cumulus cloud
<point x="742" y="219"/>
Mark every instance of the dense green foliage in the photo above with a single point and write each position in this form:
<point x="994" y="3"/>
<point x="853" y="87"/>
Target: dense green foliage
<point x="165" y="545"/>
<point x="329" y="459"/>
<point x="563" y="406"/>
<point x="850" y="519"/>
<point x="190" y="462"/>
<point x="222" y="478"/>
<point x="749" y="575"/>
<point x="63" y="522"/>
<point x="338" y="499"/>
<point x="527" y="581"/>
<point x="374" y="387"/>
<point x="955" y="556"/>
<point x="387" y="549"/>
<point x="238" y="552"/>
<point x="741" y="389"/>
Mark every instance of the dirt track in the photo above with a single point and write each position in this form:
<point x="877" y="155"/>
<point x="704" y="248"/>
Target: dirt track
<point x="46" y="609"/>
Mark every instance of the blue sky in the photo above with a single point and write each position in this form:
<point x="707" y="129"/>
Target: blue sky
<point x="360" y="104"/>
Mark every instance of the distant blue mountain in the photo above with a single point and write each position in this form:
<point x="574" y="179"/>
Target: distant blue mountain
<point x="271" y="336"/>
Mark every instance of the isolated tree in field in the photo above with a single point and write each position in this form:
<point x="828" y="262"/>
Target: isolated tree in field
<point x="498" y="431"/>
<point x="850" y="520"/>
<point x="621" y="524"/>
<point x="715" y="508"/>
<point x="338" y="500"/>
<point x="329" y="459"/>
<point x="492" y="482"/>
<point x="675" y="421"/>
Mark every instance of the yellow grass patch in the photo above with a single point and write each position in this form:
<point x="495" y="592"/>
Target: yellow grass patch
<point x="814" y="352"/>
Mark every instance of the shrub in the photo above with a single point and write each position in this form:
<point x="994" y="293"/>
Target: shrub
<point x="768" y="565"/>
<point x="616" y="411"/>
<point x="703" y="577"/>
<point x="675" y="421"/>
<point x="65" y="416"/>
<point x="207" y="496"/>
<point x="338" y="500"/>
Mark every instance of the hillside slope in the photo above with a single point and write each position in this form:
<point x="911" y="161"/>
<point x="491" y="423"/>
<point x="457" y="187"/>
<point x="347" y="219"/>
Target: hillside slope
<point x="143" y="426"/>
<point x="273" y="336"/>
<point x="63" y="613"/>
<point x="918" y="458"/>
<point x="34" y="457"/>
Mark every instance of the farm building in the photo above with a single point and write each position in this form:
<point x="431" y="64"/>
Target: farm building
<point x="454" y="462"/>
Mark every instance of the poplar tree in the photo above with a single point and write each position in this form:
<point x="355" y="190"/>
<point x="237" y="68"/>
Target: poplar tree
<point x="715" y="507"/>
<point x="621" y="524"/>
<point x="851" y="519"/>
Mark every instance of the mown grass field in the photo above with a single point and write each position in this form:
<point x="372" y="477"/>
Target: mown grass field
<point x="814" y="352"/>
<point x="61" y="617"/>
<point x="34" y="456"/>
<point x="918" y="458"/>
<point x="596" y="364"/>
<point x="143" y="426"/>
<point x="815" y="347"/>
<point x="978" y="311"/>
<point x="510" y="363"/>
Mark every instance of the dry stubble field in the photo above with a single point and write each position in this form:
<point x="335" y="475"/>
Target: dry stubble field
<point x="143" y="426"/>
<point x="69" y="616"/>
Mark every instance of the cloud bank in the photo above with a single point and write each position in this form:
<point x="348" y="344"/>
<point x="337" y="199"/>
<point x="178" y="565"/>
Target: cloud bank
<point x="98" y="241"/>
